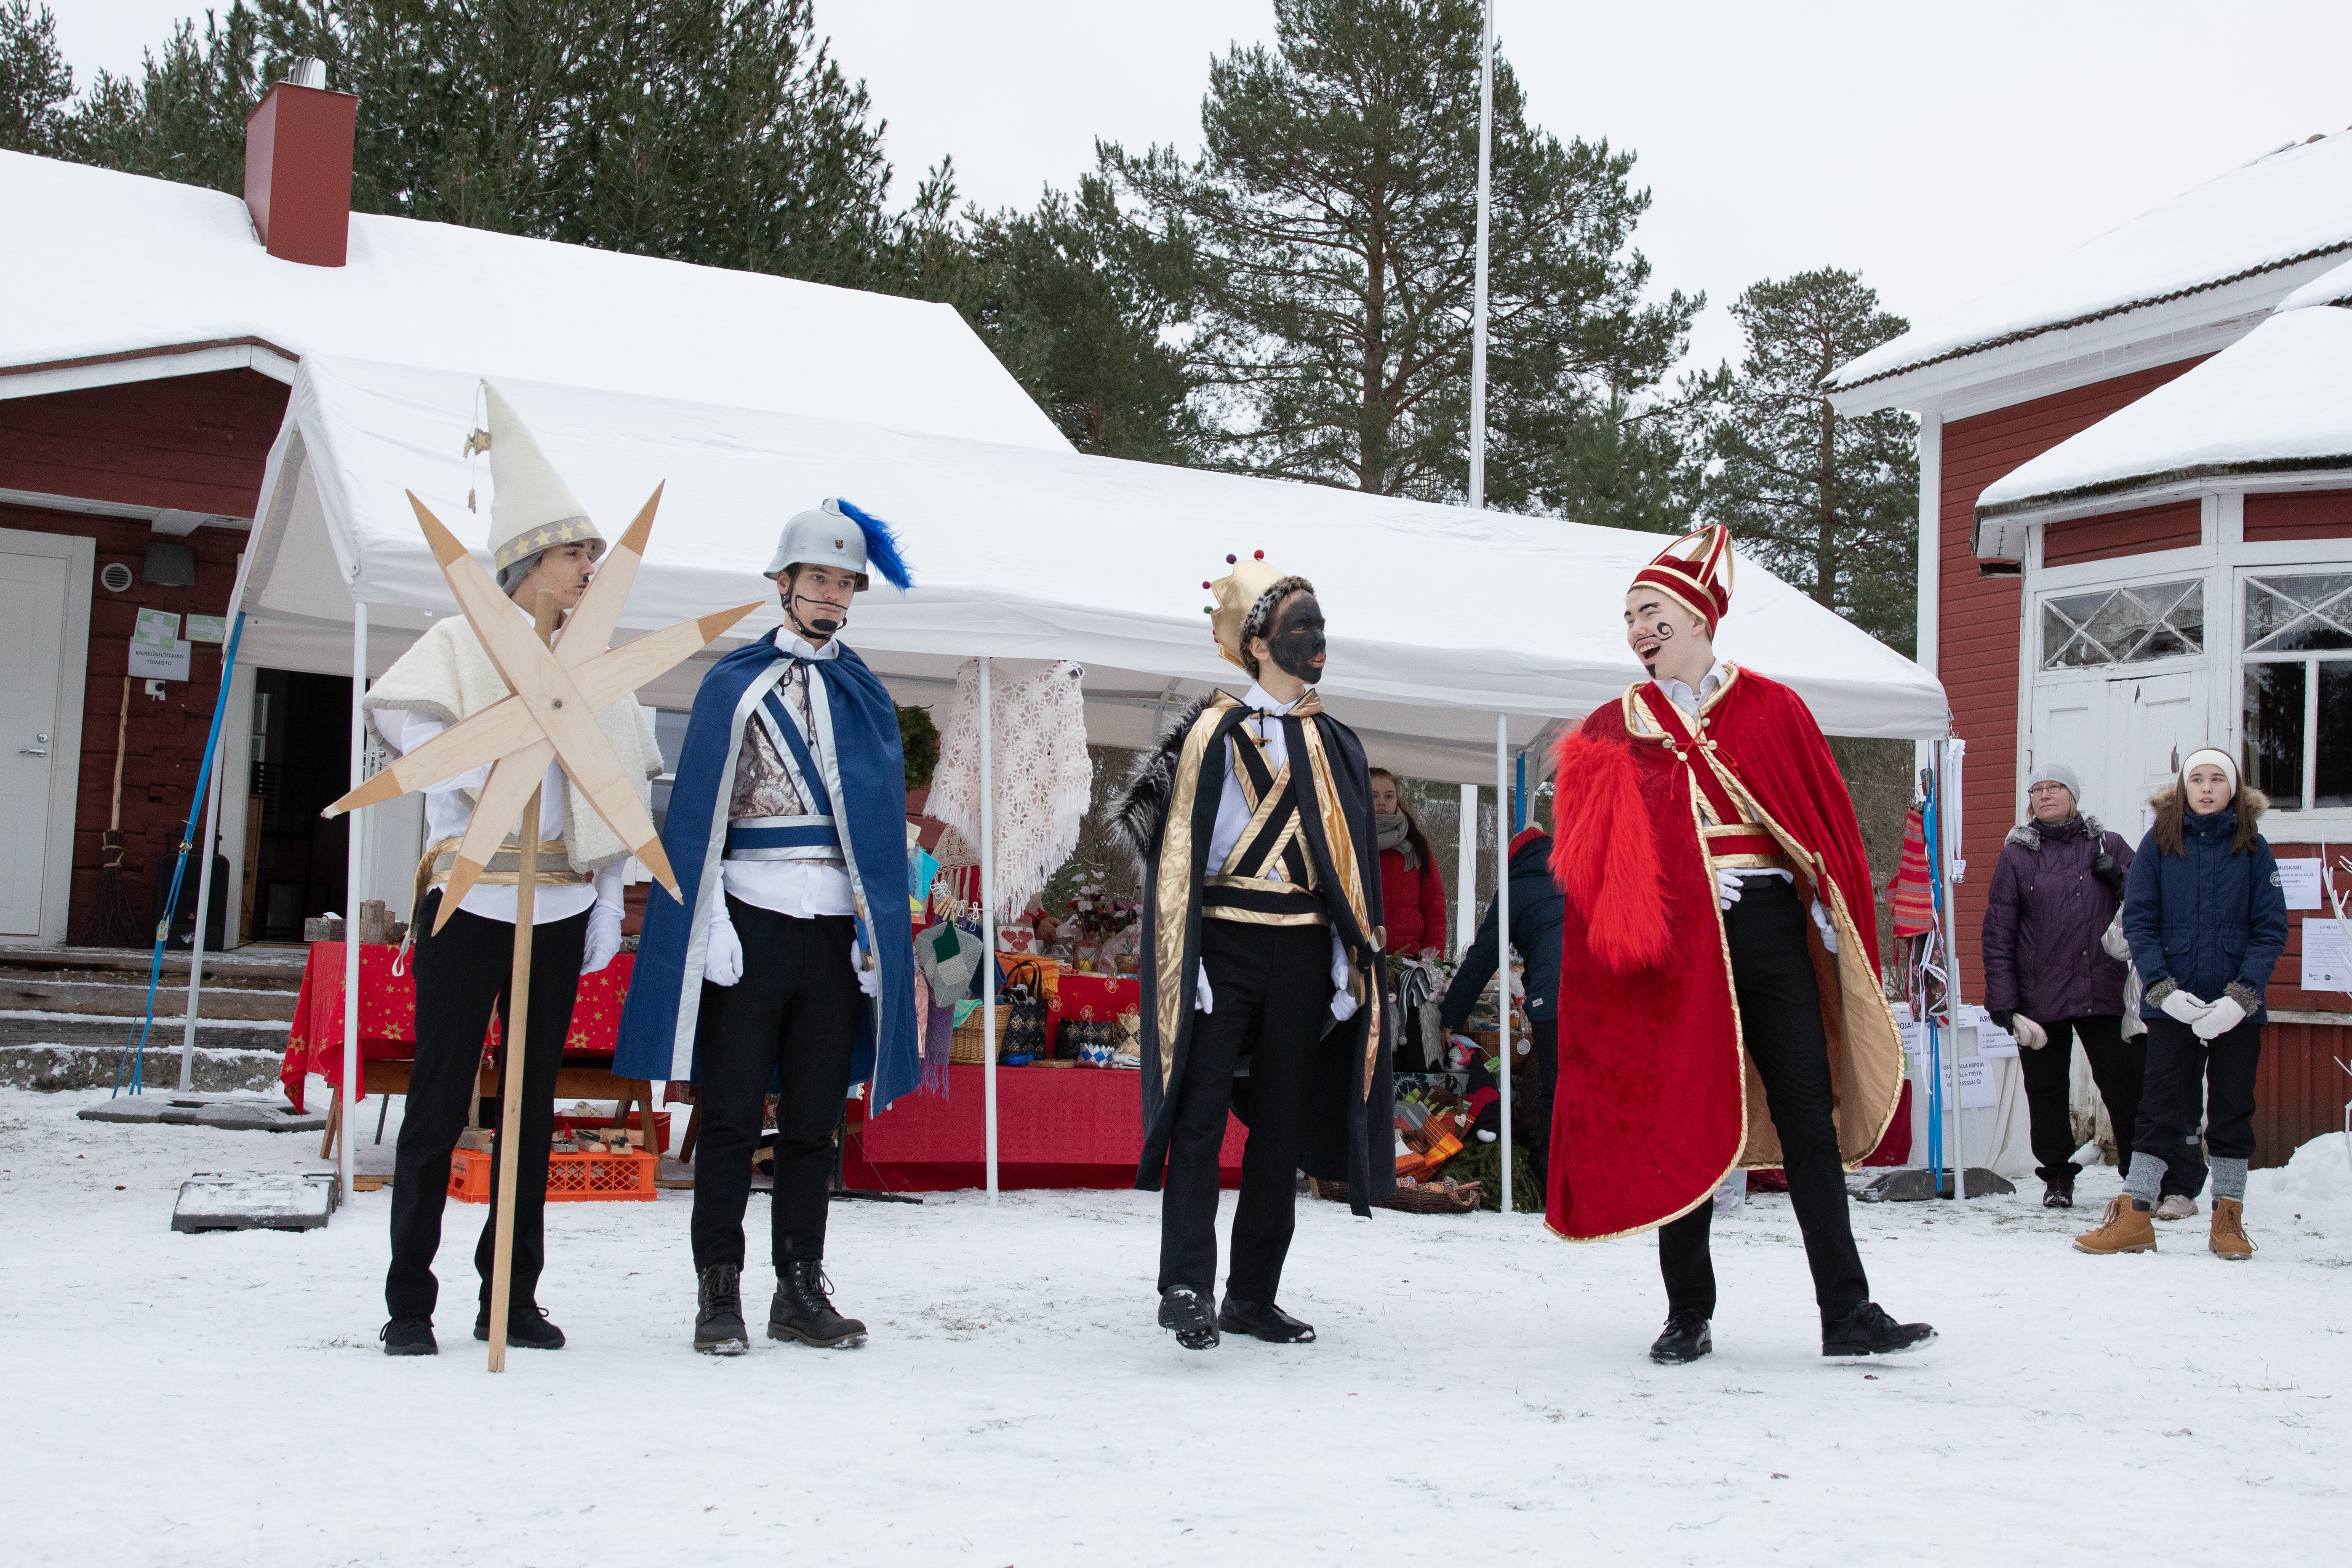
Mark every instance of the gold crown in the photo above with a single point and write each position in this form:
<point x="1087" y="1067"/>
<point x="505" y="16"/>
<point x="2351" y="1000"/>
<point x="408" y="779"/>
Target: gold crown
<point x="1238" y="593"/>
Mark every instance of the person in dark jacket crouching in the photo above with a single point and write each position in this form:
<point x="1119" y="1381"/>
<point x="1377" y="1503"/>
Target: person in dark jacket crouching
<point x="2049" y="983"/>
<point x="1537" y="908"/>
<point x="2207" y="921"/>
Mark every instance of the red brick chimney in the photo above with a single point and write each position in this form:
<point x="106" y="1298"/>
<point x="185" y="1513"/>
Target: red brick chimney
<point x="298" y="167"/>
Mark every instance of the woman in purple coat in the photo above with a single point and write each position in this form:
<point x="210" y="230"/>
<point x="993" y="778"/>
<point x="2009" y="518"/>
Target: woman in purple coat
<point x="2049" y="983"/>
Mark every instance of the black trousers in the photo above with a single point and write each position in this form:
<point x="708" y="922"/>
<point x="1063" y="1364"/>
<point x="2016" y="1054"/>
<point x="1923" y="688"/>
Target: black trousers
<point x="461" y="976"/>
<point x="1781" y="1017"/>
<point x="2193" y="1082"/>
<point x="2118" y="1067"/>
<point x="1271" y="986"/>
<point x="792" y="1021"/>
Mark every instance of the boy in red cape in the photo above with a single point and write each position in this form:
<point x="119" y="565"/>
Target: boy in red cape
<point x="1720" y="1004"/>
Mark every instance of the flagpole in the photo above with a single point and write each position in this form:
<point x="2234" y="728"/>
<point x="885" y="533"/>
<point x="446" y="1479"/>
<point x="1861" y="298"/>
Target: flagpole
<point x="1478" y="303"/>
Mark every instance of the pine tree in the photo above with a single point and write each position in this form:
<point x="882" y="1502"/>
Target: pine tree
<point x="1079" y="300"/>
<point x="1335" y="207"/>
<point x="1829" y="504"/>
<point x="35" y="81"/>
<point x="182" y="117"/>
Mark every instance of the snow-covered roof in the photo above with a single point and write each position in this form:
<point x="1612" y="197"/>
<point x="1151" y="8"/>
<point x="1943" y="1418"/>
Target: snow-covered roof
<point x="1108" y="572"/>
<point x="2333" y="286"/>
<point x="2273" y="403"/>
<point x="2293" y="205"/>
<point x="106" y="267"/>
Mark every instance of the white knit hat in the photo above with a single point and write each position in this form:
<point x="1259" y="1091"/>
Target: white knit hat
<point x="532" y="509"/>
<point x="2214" y="755"/>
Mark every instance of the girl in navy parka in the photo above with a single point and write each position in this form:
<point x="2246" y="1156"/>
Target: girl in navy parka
<point x="2207" y="921"/>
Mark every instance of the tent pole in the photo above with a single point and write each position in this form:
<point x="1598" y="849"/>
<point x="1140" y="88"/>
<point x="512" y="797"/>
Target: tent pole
<point x="354" y="884"/>
<point x="1948" y="839"/>
<point x="1503" y="891"/>
<point x="988" y="925"/>
<point x="1465" y="874"/>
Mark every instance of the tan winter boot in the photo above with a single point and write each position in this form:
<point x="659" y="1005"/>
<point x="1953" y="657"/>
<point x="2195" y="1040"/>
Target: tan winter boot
<point x="2230" y="1231"/>
<point x="2124" y="1229"/>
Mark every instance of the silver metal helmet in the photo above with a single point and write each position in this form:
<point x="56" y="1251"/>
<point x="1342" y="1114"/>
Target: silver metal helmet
<point x="826" y="537"/>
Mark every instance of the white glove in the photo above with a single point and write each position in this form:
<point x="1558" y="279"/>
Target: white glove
<point x="868" y="980"/>
<point x="604" y="937"/>
<point x="1203" y="1001"/>
<point x="2028" y="1033"/>
<point x="722" y="961"/>
<point x="2181" y="1005"/>
<point x="1727" y="888"/>
<point x="1343" y="1006"/>
<point x="1821" y="923"/>
<point x="2219" y="1019"/>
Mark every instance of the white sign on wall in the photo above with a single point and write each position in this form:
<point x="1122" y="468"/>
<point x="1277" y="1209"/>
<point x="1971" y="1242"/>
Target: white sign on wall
<point x="2326" y="956"/>
<point x="2299" y="881"/>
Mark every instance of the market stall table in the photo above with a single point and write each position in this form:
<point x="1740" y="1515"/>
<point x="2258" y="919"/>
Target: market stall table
<point x="1056" y="1127"/>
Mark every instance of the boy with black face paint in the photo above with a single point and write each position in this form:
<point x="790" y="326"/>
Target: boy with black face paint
<point x="1263" y="966"/>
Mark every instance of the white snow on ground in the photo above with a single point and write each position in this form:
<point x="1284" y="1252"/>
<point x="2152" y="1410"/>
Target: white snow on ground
<point x="2291" y="203"/>
<point x="1480" y="1393"/>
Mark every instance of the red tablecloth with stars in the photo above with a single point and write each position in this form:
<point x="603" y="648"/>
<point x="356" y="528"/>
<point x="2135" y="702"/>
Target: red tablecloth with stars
<point x="388" y="1014"/>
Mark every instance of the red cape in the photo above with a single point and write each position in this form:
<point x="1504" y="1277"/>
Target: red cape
<point x="1656" y="1102"/>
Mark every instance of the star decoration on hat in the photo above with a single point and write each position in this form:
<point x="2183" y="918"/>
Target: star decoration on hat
<point x="551" y="713"/>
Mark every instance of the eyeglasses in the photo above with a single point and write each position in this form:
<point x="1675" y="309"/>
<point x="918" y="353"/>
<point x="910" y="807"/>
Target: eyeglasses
<point x="2049" y="789"/>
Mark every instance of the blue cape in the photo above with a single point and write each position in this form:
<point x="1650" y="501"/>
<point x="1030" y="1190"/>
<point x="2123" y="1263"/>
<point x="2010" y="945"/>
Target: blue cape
<point x="867" y="776"/>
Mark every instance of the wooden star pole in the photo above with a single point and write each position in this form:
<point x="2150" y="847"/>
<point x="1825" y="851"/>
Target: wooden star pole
<point x="548" y="715"/>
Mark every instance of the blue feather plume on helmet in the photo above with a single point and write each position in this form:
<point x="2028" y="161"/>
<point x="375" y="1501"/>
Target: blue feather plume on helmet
<point x="881" y="545"/>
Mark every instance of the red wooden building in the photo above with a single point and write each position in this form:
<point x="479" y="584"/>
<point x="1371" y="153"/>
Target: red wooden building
<point x="153" y="332"/>
<point x="2136" y="538"/>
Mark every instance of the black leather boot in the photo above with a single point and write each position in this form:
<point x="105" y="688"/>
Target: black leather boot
<point x="1688" y="1336"/>
<point x="2058" y="1194"/>
<point x="1267" y="1322"/>
<point x="1869" y="1331"/>
<point x="719" y="1312"/>
<point x="1188" y="1312"/>
<point x="409" y="1336"/>
<point x="527" y="1327"/>
<point x="803" y="1310"/>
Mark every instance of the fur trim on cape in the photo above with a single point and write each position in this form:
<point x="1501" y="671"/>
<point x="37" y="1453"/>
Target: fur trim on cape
<point x="1605" y="854"/>
<point x="1143" y="802"/>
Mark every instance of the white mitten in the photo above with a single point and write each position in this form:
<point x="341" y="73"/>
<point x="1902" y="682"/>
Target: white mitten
<point x="868" y="980"/>
<point x="2219" y="1019"/>
<point x="2181" y="1005"/>
<point x="1727" y="888"/>
<point x="722" y="961"/>
<point x="604" y="937"/>
<point x="2028" y="1033"/>
<point x="1822" y="924"/>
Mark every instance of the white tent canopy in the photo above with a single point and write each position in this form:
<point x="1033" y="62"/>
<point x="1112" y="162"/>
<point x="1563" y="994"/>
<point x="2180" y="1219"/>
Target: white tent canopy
<point x="1441" y="617"/>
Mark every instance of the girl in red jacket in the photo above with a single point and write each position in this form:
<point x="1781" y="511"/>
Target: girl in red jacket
<point x="1413" y="895"/>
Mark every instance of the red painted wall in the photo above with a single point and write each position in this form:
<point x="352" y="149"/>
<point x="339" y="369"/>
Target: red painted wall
<point x="196" y="443"/>
<point x="2115" y="533"/>
<point x="2307" y="514"/>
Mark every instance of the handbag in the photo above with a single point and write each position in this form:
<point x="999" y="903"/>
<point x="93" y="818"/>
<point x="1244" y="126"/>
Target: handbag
<point x="1091" y="1040"/>
<point x="1025" y="1024"/>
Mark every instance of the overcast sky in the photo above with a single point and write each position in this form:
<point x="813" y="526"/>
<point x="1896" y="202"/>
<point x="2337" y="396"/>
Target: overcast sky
<point x="1933" y="149"/>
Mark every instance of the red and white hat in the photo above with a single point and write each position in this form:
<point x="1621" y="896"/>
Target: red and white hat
<point x="1694" y="571"/>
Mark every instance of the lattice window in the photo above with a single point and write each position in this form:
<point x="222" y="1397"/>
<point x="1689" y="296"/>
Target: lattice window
<point x="2124" y="625"/>
<point x="2297" y="712"/>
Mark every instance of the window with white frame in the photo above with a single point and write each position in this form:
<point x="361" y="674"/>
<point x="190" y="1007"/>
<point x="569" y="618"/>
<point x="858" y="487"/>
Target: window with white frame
<point x="2296" y="721"/>
<point x="2124" y="625"/>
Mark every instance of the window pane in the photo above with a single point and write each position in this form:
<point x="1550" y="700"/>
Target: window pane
<point x="2294" y="614"/>
<point x="669" y="734"/>
<point x="2335" y="734"/>
<point x="2124" y="625"/>
<point x="2273" y="731"/>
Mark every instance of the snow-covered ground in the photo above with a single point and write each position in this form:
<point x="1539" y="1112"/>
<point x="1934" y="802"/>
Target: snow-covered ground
<point x="1480" y="1391"/>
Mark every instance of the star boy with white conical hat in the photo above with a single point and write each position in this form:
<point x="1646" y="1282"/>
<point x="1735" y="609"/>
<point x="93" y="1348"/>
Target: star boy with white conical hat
<point x="542" y="538"/>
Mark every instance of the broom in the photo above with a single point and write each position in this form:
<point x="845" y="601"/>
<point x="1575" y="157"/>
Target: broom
<point x="113" y="922"/>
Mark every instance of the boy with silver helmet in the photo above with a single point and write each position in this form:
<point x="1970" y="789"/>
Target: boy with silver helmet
<point x="794" y="968"/>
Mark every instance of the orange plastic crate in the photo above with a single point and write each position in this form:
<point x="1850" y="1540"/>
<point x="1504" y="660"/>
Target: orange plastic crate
<point x="571" y="1178"/>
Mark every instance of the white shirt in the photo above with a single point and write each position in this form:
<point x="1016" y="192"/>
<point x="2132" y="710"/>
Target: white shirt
<point x="802" y="888"/>
<point x="448" y="814"/>
<point x="1683" y="698"/>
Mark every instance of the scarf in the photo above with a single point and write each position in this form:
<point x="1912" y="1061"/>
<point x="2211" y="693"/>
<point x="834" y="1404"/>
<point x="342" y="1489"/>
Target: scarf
<point x="1394" y="831"/>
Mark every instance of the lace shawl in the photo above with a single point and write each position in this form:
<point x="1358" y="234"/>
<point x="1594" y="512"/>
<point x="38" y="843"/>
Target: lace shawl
<point x="1044" y="778"/>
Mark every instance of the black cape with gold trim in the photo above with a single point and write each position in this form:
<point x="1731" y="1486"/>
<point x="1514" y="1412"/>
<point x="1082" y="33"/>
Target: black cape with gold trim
<point x="1165" y="816"/>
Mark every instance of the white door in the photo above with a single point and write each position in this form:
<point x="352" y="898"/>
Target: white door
<point x="2069" y="728"/>
<point x="33" y="764"/>
<point x="2153" y="722"/>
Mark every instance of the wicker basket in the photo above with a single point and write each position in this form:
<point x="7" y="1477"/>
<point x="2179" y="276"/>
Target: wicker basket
<point x="968" y="1045"/>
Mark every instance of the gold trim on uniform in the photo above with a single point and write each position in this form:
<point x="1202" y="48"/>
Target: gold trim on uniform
<point x="1172" y="892"/>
